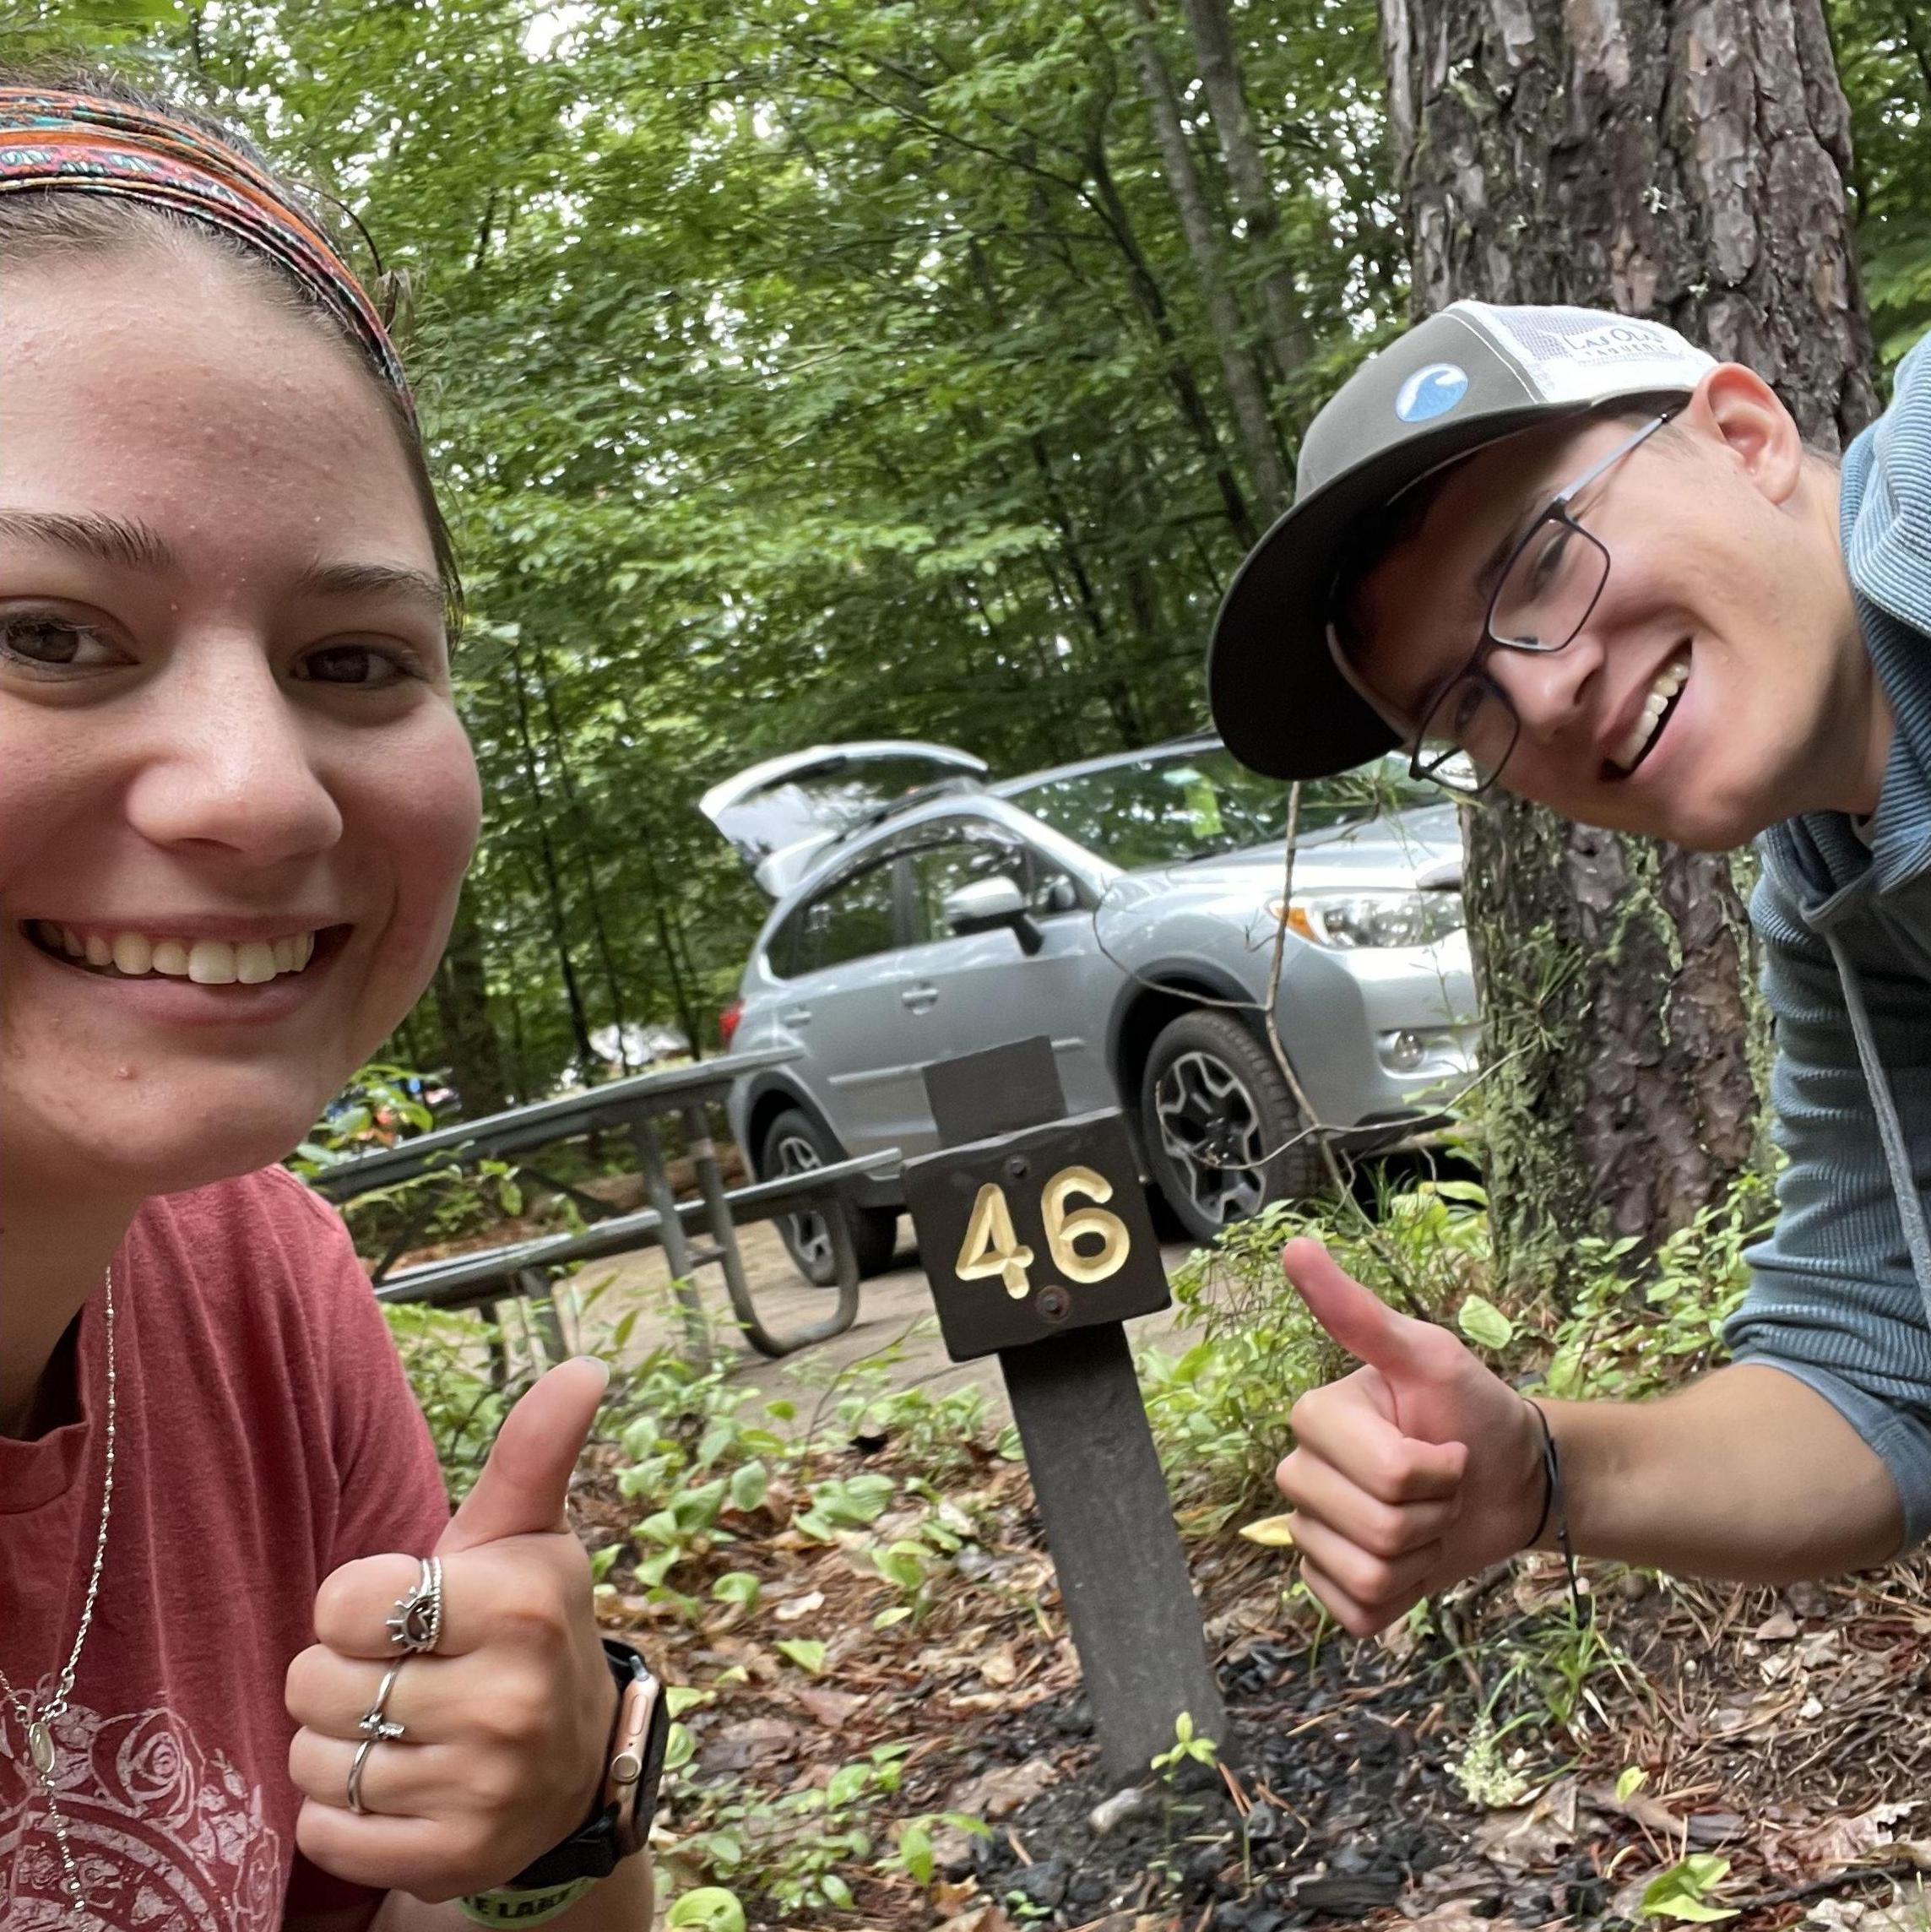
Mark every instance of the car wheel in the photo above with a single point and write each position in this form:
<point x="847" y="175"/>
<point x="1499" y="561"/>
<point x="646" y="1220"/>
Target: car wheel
<point x="1220" y="1125"/>
<point x="794" y="1144"/>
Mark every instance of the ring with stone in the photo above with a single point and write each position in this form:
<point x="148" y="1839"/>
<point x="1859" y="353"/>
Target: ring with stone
<point x="416" y="1622"/>
<point x="373" y="1724"/>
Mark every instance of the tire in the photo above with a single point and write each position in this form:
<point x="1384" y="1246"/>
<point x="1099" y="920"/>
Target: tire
<point x="793" y="1143"/>
<point x="1212" y="1094"/>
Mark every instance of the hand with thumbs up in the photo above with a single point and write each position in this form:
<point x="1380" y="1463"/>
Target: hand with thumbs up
<point x="1419" y="1469"/>
<point x="507" y="1723"/>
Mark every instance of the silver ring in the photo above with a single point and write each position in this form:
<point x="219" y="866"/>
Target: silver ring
<point x="416" y="1622"/>
<point x="362" y="1750"/>
<point x="373" y="1724"/>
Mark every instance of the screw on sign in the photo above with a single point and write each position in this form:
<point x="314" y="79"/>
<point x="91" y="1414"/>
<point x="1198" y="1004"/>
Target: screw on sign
<point x="1035" y="1236"/>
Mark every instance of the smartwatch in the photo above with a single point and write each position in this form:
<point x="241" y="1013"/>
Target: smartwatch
<point x="619" y="1824"/>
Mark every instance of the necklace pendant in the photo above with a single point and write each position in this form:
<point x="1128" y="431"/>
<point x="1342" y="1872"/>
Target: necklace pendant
<point x="40" y="1743"/>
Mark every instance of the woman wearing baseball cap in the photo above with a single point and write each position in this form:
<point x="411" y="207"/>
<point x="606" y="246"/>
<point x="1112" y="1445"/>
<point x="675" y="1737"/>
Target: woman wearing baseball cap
<point x="1566" y="553"/>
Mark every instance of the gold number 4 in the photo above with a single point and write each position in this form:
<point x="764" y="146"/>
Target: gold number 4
<point x="992" y="1245"/>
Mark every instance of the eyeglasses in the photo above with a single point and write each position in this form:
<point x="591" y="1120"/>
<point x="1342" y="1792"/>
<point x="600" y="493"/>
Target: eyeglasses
<point x="1548" y="588"/>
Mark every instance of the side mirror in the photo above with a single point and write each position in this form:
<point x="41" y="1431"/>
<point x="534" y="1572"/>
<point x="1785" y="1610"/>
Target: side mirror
<point x="988" y="903"/>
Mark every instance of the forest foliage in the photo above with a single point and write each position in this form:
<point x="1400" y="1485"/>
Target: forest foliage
<point x="804" y="373"/>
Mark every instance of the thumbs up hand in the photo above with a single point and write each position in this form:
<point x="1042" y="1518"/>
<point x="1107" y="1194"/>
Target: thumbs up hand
<point x="507" y="1723"/>
<point x="1419" y="1469"/>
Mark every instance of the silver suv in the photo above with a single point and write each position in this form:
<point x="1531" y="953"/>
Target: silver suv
<point x="1126" y="908"/>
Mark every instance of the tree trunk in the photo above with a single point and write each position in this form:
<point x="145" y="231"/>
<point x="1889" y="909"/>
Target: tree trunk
<point x="1246" y="392"/>
<point x="461" y="988"/>
<point x="1219" y="61"/>
<point x="1686" y="162"/>
<point x="551" y="879"/>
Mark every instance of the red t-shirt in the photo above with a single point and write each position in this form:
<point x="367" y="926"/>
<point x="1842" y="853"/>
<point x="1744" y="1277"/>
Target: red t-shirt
<point x="266" y="1434"/>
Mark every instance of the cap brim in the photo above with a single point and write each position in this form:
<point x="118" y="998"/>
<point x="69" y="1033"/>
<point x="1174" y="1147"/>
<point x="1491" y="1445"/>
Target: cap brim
<point x="1278" y="699"/>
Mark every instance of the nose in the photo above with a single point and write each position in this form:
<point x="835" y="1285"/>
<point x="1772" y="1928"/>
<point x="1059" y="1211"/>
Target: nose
<point x="225" y="763"/>
<point x="1549" y="689"/>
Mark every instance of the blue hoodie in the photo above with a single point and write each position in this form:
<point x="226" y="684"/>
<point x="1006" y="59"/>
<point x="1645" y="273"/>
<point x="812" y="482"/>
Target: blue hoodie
<point x="1841" y="1292"/>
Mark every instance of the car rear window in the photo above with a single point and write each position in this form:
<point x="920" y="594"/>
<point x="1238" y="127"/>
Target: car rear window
<point x="1174" y="805"/>
<point x="851" y="920"/>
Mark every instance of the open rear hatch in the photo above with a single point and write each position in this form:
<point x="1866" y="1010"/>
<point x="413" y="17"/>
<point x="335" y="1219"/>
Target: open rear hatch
<point x="782" y="815"/>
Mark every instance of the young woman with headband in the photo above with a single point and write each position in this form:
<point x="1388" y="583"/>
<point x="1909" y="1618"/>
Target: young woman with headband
<point x="251" y="1674"/>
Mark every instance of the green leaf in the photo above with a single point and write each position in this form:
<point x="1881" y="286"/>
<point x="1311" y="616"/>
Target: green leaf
<point x="748" y="1486"/>
<point x="737" y="1587"/>
<point x="709" y="1908"/>
<point x="805" y="1651"/>
<point x="679" y="1747"/>
<point x="1485" y="1324"/>
<point x="846" y="1784"/>
<point x="836" y="1890"/>
<point x="1631" y="1782"/>
<point x="1683" y="1890"/>
<point x="915" y="1852"/>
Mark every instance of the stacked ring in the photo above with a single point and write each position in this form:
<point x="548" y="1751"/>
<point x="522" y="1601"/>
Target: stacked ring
<point x="415" y="1624"/>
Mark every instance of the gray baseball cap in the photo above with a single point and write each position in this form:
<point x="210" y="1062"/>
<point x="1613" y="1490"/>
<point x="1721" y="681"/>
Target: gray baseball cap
<point x="1468" y="376"/>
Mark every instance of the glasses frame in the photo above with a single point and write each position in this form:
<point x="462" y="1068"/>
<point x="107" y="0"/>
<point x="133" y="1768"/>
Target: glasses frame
<point x="1557" y="510"/>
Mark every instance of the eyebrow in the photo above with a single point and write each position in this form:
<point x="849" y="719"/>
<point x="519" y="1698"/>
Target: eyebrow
<point x="121" y="540"/>
<point x="128" y="544"/>
<point x="1488" y="578"/>
<point x="386" y="580"/>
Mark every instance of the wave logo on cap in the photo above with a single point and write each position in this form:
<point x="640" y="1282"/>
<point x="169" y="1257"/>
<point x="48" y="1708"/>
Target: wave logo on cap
<point x="1431" y="392"/>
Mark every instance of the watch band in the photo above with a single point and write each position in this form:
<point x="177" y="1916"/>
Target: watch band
<point x="626" y="1801"/>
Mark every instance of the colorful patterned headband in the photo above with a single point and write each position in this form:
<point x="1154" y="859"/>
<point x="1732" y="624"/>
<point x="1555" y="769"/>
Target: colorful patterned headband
<point x="81" y="142"/>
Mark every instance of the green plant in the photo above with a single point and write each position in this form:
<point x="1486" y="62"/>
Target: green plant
<point x="1188" y="1747"/>
<point x="1683" y="1891"/>
<point x="1626" y="1339"/>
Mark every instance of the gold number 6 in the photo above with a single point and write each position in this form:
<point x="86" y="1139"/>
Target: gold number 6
<point x="1063" y="1229"/>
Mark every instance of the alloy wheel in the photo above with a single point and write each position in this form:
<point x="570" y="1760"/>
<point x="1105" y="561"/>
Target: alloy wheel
<point x="1210" y="1127"/>
<point x="809" y="1236"/>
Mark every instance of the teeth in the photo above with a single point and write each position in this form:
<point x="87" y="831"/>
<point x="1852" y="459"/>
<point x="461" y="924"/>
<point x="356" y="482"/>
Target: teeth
<point x="207" y="962"/>
<point x="1670" y="680"/>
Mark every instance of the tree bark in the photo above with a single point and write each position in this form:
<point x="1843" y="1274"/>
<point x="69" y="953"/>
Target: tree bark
<point x="1219" y="60"/>
<point x="1246" y="393"/>
<point x="1688" y="162"/>
<point x="461" y="993"/>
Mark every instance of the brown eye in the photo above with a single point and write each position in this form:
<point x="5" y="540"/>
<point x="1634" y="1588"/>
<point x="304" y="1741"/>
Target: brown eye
<point x="359" y="664"/>
<point x="51" y="643"/>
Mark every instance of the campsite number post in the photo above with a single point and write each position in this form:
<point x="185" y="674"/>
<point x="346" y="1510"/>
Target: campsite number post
<point x="1035" y="1235"/>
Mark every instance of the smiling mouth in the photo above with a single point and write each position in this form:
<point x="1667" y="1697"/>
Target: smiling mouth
<point x="1665" y="693"/>
<point x="128" y="955"/>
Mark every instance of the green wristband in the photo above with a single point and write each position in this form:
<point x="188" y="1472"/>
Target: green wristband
<point x="505" y="1908"/>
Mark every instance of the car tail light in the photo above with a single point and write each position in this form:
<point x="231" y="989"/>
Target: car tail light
<point x="728" y="1021"/>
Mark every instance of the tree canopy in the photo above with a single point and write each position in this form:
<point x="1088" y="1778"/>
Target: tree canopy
<point x="802" y="373"/>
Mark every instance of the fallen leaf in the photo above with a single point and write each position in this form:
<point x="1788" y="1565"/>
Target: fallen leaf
<point x="1275" y="1532"/>
<point x="791" y="1612"/>
<point x="1779" y="1627"/>
<point x="999" y="1791"/>
<point x="830" y="1707"/>
<point x="982" y="1918"/>
<point x="1002" y="1668"/>
<point x="751" y="1740"/>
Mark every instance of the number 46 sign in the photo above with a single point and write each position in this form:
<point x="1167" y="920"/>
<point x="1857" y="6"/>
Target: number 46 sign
<point x="1030" y="1234"/>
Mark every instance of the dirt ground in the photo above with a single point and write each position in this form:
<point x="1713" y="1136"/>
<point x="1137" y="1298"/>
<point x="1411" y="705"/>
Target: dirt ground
<point x="895" y="1321"/>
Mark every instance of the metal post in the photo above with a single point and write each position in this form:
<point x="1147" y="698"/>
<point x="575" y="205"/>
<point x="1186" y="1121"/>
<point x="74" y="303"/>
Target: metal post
<point x="670" y="1233"/>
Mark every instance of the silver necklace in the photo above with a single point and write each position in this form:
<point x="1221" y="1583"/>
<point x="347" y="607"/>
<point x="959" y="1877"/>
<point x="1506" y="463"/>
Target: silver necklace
<point x="40" y="1736"/>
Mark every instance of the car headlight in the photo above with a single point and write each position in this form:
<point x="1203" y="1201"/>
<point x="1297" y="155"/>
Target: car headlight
<point x="1350" y="920"/>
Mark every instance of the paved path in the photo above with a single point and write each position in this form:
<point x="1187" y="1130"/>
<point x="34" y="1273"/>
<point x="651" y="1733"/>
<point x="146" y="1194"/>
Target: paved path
<point x="895" y="1318"/>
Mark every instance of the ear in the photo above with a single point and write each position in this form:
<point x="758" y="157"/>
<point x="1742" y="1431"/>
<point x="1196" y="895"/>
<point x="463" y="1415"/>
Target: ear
<point x="1736" y="407"/>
